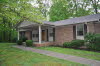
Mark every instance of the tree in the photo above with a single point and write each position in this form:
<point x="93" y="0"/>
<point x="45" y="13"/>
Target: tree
<point x="64" y="9"/>
<point x="59" y="10"/>
<point x="44" y="6"/>
<point x="14" y="11"/>
<point x="95" y="5"/>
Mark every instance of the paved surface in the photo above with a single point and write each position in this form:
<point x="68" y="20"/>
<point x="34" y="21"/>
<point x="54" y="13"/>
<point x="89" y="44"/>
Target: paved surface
<point x="62" y="56"/>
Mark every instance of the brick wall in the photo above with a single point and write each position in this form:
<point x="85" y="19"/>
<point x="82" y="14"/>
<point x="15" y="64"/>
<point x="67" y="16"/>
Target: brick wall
<point x="63" y="34"/>
<point x="90" y="27"/>
<point x="44" y="44"/>
<point x="93" y="27"/>
<point x="97" y="28"/>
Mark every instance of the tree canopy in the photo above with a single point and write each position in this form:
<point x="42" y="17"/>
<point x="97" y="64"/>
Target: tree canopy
<point x="15" y="11"/>
<point x="64" y="9"/>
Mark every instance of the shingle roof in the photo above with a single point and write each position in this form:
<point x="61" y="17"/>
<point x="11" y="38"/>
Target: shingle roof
<point x="89" y="18"/>
<point x="48" y="22"/>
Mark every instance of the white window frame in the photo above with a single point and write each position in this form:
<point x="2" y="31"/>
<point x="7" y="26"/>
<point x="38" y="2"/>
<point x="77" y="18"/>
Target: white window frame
<point x="79" y="37"/>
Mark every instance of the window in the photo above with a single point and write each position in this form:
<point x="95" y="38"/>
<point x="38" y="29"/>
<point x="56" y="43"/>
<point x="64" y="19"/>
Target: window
<point x="80" y="30"/>
<point x="37" y="35"/>
<point x="33" y="35"/>
<point x="51" y="34"/>
<point x="22" y="34"/>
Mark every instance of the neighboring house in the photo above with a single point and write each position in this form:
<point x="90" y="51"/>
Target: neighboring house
<point x="56" y="33"/>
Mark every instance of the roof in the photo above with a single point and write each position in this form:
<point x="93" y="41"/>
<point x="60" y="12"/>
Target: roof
<point x="89" y="18"/>
<point x="48" y="22"/>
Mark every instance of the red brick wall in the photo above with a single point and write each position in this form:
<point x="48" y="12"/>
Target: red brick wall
<point x="63" y="34"/>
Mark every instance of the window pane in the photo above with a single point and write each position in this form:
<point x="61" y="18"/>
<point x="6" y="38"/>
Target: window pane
<point x="33" y="35"/>
<point x="51" y="34"/>
<point x="37" y="35"/>
<point x="80" y="30"/>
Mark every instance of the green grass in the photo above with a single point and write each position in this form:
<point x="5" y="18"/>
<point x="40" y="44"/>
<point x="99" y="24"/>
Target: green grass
<point x="10" y="56"/>
<point x="80" y="53"/>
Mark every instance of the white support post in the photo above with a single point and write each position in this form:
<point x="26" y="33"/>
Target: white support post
<point x="18" y="34"/>
<point x="40" y="34"/>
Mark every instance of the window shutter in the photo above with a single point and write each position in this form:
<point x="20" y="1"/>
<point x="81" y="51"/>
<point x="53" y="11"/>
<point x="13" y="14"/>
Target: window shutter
<point x="47" y="35"/>
<point x="74" y="31"/>
<point x="85" y="29"/>
<point x="53" y="34"/>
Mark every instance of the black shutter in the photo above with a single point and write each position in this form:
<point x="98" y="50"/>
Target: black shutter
<point x="85" y="29"/>
<point x="53" y="34"/>
<point x="74" y="32"/>
<point x="47" y="34"/>
<point x="31" y="34"/>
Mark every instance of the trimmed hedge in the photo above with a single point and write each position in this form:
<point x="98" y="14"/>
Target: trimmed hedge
<point x="19" y="42"/>
<point x="74" y="44"/>
<point x="29" y="42"/>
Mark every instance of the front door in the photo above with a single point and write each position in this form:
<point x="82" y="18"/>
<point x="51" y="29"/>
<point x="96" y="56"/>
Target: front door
<point x="43" y="35"/>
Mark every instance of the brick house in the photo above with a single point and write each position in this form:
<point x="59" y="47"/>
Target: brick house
<point x="56" y="33"/>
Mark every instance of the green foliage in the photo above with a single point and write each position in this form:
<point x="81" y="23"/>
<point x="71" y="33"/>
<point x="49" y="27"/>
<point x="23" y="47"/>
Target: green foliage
<point x="14" y="40"/>
<point x="29" y="42"/>
<point x="24" y="39"/>
<point x="67" y="44"/>
<point x="93" y="41"/>
<point x="65" y="9"/>
<point x="59" y="11"/>
<point x="74" y="44"/>
<point x="95" y="47"/>
<point x="13" y="12"/>
<point x="90" y="38"/>
<point x="77" y="43"/>
<point x="19" y="42"/>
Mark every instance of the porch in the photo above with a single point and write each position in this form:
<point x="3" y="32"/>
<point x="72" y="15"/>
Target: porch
<point x="42" y="35"/>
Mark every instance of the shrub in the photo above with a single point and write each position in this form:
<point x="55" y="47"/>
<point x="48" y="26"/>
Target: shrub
<point x="24" y="39"/>
<point x="97" y="40"/>
<point x="93" y="43"/>
<point x="77" y="43"/>
<point x="89" y="38"/>
<point x="93" y="47"/>
<point x="67" y="44"/>
<point x="19" y="42"/>
<point x="29" y="42"/>
<point x="14" y="40"/>
<point x="74" y="43"/>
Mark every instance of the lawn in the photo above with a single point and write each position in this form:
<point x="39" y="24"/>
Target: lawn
<point x="80" y="53"/>
<point x="10" y="56"/>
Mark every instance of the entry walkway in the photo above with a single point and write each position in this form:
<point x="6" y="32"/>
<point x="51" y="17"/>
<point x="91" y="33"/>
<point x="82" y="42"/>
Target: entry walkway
<point x="62" y="56"/>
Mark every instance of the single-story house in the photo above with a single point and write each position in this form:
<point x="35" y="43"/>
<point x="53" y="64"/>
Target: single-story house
<point x="56" y="33"/>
